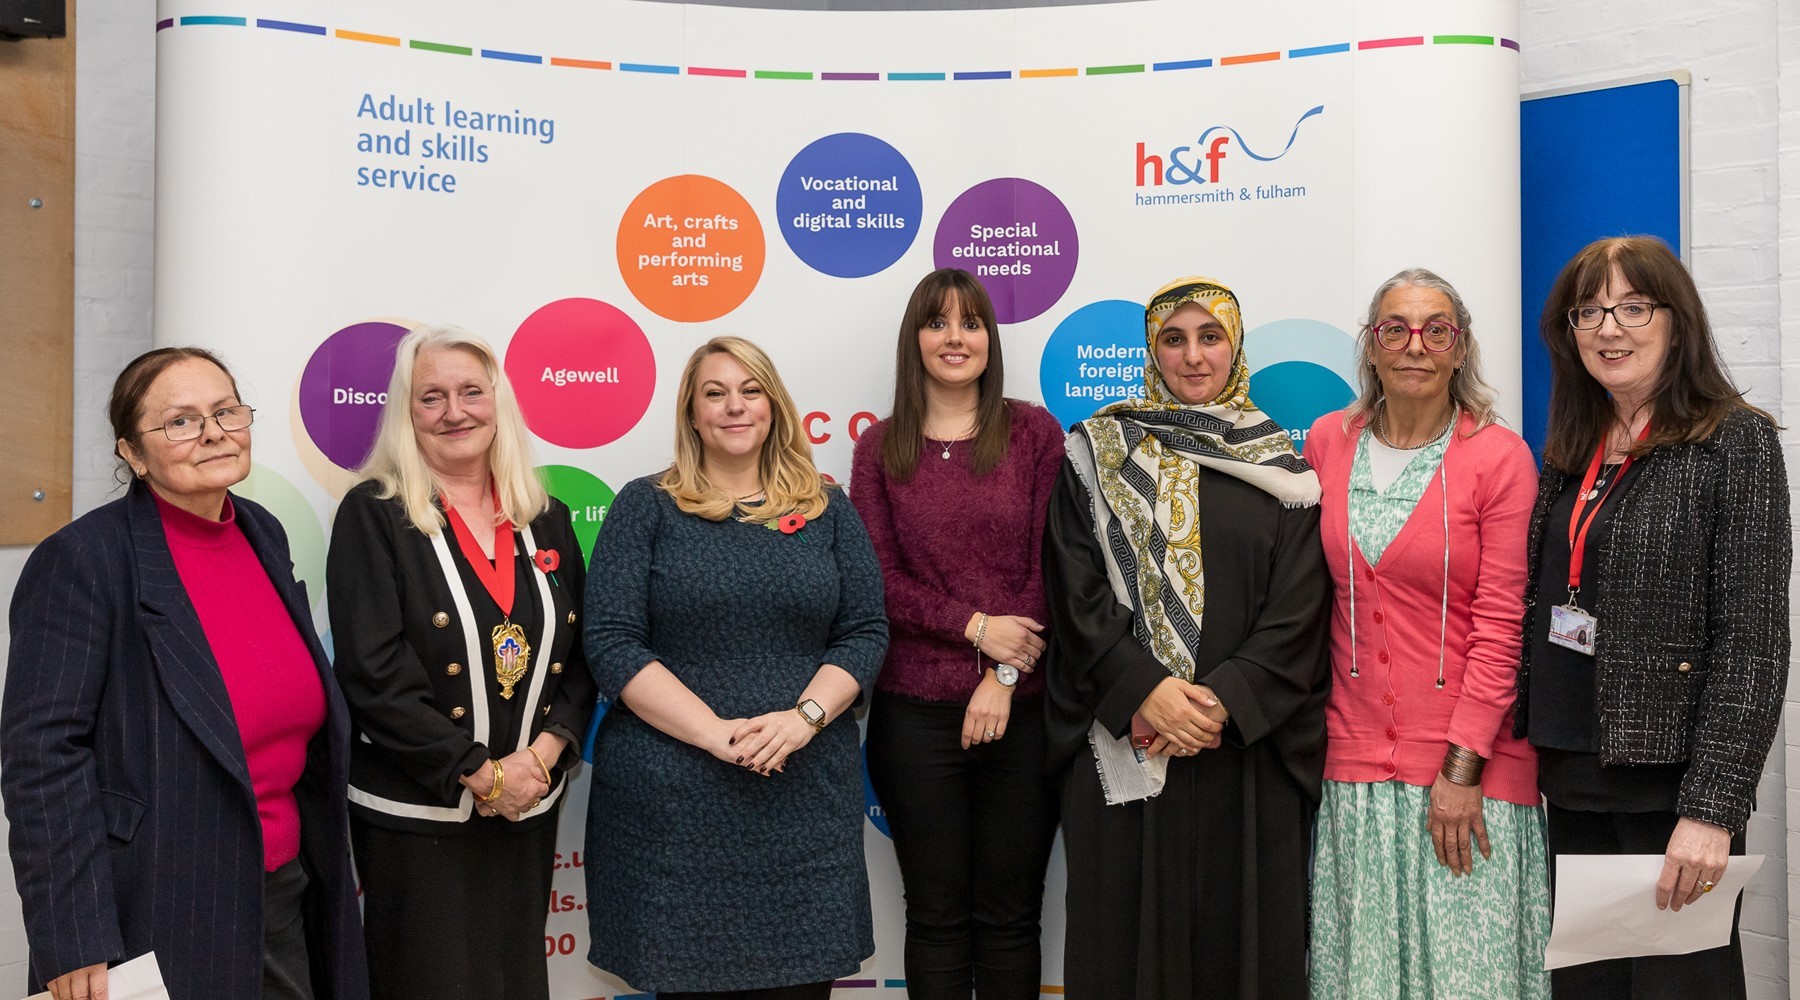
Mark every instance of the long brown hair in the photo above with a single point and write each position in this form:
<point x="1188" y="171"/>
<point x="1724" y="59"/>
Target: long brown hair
<point x="791" y="482"/>
<point x="906" y="424"/>
<point x="1692" y="393"/>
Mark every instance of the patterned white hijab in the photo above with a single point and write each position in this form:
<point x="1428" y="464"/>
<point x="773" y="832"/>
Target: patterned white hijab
<point x="1140" y="461"/>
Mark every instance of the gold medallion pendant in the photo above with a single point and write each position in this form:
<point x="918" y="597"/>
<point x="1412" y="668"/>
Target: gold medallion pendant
<point x="512" y="654"/>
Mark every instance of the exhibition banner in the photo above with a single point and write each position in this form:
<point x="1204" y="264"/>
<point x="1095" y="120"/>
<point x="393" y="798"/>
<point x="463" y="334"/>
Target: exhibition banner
<point x="599" y="186"/>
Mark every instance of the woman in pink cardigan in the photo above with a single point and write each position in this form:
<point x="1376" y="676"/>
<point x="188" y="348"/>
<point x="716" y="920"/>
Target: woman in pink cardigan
<point x="1429" y="877"/>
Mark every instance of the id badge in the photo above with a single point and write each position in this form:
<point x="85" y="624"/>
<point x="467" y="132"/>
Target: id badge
<point x="1573" y="628"/>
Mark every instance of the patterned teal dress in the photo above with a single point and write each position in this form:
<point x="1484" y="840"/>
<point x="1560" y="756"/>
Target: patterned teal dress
<point x="1389" y="922"/>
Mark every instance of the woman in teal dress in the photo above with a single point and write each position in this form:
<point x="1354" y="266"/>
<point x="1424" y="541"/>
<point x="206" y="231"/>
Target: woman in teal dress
<point x="733" y="617"/>
<point x="1429" y="868"/>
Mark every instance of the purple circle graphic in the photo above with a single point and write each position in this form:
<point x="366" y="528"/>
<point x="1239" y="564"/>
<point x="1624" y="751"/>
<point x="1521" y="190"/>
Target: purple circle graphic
<point x="343" y="388"/>
<point x="1017" y="237"/>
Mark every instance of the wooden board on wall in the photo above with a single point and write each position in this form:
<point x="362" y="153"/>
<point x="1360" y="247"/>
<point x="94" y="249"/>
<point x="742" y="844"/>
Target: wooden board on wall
<point x="37" y="283"/>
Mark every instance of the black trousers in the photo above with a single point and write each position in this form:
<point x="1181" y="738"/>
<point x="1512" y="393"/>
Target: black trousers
<point x="287" y="973"/>
<point x="1717" y="973"/>
<point x="972" y="830"/>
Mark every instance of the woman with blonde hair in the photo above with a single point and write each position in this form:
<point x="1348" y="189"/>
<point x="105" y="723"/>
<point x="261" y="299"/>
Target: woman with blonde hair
<point x="738" y="620"/>
<point x="455" y="582"/>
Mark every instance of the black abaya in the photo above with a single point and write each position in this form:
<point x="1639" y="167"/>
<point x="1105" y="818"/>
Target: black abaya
<point x="1200" y="891"/>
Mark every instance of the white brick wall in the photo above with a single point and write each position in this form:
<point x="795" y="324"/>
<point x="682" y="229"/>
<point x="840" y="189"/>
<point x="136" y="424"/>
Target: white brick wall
<point x="1744" y="132"/>
<point x="115" y="141"/>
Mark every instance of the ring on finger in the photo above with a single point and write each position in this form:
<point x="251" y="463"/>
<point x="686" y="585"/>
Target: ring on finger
<point x="1708" y="885"/>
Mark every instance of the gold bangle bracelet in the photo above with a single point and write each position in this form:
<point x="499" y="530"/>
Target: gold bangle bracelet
<point x="493" y="794"/>
<point x="540" y="759"/>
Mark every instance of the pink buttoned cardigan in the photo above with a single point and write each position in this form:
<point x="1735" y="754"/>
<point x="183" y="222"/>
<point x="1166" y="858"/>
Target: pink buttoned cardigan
<point x="1391" y="720"/>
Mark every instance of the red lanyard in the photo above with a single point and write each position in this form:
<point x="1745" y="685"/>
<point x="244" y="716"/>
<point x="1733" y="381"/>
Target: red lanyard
<point x="496" y="576"/>
<point x="1578" y="526"/>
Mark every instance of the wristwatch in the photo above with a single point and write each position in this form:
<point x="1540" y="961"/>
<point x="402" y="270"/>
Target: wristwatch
<point x="1006" y="674"/>
<point x="813" y="713"/>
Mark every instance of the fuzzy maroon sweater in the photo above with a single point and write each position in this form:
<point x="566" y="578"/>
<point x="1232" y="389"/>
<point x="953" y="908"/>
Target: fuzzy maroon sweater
<point x="952" y="544"/>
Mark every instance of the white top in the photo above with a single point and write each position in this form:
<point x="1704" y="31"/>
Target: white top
<point x="1386" y="464"/>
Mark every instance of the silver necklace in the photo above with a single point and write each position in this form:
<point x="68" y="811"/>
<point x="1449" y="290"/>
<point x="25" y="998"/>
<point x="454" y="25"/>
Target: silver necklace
<point x="945" y="442"/>
<point x="1381" y="429"/>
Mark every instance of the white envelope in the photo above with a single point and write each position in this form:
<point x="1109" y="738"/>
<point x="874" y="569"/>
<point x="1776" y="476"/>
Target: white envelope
<point x="139" y="979"/>
<point x="1606" y="908"/>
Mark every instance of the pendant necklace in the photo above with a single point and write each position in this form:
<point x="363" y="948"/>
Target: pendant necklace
<point x="1606" y="472"/>
<point x="947" y="442"/>
<point x="512" y="651"/>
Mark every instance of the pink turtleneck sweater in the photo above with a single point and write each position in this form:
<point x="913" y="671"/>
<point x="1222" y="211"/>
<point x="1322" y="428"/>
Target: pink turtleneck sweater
<point x="269" y="673"/>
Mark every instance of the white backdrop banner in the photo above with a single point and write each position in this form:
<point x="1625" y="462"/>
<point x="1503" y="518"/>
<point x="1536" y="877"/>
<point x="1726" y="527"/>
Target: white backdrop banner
<point x="597" y="186"/>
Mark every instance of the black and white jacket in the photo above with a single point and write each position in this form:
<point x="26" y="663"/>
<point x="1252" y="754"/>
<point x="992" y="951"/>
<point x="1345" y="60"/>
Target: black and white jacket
<point x="410" y="625"/>
<point x="1692" y="659"/>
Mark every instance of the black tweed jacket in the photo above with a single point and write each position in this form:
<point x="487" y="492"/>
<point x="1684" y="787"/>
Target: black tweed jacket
<point x="1692" y="649"/>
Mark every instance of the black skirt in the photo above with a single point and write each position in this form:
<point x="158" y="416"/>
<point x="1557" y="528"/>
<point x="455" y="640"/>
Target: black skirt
<point x="456" y="917"/>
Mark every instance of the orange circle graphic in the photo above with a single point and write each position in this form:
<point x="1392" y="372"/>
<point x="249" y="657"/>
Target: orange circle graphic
<point x="690" y="248"/>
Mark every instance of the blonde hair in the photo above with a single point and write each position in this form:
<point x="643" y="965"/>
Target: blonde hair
<point x="399" y="466"/>
<point x="1467" y="389"/>
<point x="791" y="483"/>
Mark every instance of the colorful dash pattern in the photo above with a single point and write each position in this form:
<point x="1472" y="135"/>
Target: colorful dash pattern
<point x="835" y="76"/>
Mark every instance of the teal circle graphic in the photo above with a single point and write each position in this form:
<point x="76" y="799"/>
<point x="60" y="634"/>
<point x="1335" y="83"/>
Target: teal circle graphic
<point x="1298" y="339"/>
<point x="1296" y="393"/>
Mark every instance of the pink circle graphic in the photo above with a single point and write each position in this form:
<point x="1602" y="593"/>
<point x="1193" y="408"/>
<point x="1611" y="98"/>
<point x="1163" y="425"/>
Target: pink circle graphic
<point x="583" y="371"/>
<point x="343" y="388"/>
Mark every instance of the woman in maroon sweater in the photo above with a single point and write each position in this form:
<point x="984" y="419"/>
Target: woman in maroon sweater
<point x="953" y="488"/>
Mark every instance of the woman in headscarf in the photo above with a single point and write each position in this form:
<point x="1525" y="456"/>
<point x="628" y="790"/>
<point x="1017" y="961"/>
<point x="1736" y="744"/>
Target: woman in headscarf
<point x="1187" y="598"/>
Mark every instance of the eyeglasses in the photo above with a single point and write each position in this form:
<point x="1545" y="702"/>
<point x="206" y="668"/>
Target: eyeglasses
<point x="1437" y="335"/>
<point x="1627" y="314"/>
<point x="189" y="426"/>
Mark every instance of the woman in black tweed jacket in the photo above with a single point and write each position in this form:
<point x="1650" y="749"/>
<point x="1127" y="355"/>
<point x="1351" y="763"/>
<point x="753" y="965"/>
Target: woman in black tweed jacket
<point x="1656" y="646"/>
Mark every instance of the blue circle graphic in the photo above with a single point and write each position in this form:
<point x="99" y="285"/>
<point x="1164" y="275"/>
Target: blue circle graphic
<point x="1296" y="393"/>
<point x="849" y="205"/>
<point x="877" y="816"/>
<point x="1094" y="357"/>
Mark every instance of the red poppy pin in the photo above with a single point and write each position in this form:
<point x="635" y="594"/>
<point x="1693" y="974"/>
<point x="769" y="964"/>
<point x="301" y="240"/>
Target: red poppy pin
<point x="788" y="524"/>
<point x="548" y="560"/>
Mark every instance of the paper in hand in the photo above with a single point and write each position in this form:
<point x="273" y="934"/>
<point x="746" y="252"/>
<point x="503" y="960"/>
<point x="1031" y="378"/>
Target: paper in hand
<point x="1606" y="908"/>
<point x="139" y="979"/>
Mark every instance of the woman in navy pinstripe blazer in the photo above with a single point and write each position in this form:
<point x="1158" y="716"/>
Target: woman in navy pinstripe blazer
<point x="173" y="748"/>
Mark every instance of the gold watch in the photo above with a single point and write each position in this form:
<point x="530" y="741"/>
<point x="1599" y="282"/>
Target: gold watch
<point x="813" y="713"/>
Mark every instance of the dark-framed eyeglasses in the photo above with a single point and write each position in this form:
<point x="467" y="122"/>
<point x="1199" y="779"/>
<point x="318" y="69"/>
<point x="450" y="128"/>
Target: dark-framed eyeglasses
<point x="1438" y="336"/>
<point x="189" y="426"/>
<point x="1629" y="315"/>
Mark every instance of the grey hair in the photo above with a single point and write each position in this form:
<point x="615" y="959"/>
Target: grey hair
<point x="1467" y="389"/>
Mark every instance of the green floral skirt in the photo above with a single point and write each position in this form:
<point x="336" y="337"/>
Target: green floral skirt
<point x="1391" y="923"/>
